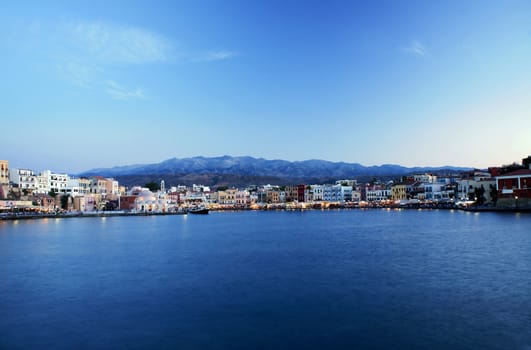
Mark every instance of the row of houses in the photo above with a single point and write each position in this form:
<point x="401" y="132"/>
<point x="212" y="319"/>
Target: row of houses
<point x="50" y="191"/>
<point x="437" y="191"/>
<point x="285" y="194"/>
<point x="507" y="186"/>
<point x="47" y="181"/>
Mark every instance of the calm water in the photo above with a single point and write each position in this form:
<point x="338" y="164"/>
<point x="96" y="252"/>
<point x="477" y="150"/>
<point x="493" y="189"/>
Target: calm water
<point x="268" y="280"/>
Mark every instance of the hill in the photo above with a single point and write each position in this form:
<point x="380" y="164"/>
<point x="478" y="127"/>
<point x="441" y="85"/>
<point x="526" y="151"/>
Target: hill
<point x="249" y="170"/>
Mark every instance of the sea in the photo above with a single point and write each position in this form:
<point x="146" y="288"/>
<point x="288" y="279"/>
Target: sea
<point x="332" y="279"/>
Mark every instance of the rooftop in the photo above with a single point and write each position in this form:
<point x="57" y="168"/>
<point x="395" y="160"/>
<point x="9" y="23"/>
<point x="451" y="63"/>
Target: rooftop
<point x="518" y="173"/>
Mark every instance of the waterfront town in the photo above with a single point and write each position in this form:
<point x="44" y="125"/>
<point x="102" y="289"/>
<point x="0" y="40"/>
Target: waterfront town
<point x="24" y="192"/>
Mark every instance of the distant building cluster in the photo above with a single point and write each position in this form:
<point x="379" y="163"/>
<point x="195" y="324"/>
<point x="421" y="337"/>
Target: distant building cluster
<point x="23" y="190"/>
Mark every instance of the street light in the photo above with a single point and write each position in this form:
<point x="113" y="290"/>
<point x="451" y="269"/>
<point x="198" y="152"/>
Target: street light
<point x="516" y="201"/>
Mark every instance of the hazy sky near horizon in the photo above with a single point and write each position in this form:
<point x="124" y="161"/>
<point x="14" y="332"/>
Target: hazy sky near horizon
<point x="102" y="83"/>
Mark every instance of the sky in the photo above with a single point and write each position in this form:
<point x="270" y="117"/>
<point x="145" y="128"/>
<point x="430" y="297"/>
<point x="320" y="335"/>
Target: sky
<point x="103" y="83"/>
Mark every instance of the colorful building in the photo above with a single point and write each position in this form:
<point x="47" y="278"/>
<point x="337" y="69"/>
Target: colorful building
<point x="4" y="172"/>
<point x="514" y="189"/>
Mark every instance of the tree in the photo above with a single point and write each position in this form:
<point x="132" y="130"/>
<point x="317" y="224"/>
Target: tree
<point x="52" y="193"/>
<point x="111" y="205"/>
<point x="493" y="193"/>
<point x="222" y="188"/>
<point x="13" y="194"/>
<point x="152" y="186"/>
<point x="64" y="201"/>
<point x="478" y="193"/>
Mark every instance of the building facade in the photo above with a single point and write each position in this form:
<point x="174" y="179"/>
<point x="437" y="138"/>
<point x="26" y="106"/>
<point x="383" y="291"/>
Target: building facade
<point x="4" y="172"/>
<point x="401" y="191"/>
<point x="24" y="179"/>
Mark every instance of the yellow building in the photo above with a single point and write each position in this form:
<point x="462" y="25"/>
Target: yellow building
<point x="84" y="186"/>
<point x="4" y="178"/>
<point x="400" y="191"/>
<point x="273" y="196"/>
<point x="4" y="172"/>
<point x="227" y="197"/>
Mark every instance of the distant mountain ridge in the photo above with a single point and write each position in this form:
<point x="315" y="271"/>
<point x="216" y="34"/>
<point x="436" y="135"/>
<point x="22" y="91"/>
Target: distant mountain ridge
<point x="250" y="166"/>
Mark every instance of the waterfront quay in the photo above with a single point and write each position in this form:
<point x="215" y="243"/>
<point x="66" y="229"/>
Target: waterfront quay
<point x="30" y="216"/>
<point x="265" y="207"/>
<point x="24" y="193"/>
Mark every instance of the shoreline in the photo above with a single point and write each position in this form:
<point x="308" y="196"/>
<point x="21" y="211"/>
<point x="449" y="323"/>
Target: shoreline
<point x="105" y="214"/>
<point x="80" y="215"/>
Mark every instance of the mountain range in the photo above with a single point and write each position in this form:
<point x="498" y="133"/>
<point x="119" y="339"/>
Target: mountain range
<point x="243" y="169"/>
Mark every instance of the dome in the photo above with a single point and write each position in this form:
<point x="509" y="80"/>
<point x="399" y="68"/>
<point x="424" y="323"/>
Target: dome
<point x="146" y="196"/>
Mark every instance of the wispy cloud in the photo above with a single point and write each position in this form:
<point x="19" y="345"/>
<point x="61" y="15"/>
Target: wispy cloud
<point x="94" y="49"/>
<point x="119" y="92"/>
<point x="113" y="44"/>
<point x="78" y="74"/>
<point x="218" y="55"/>
<point x="87" y="54"/>
<point x="110" y="43"/>
<point x="416" y="48"/>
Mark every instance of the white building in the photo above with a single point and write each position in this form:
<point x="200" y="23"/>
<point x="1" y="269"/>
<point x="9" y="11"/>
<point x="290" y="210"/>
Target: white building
<point x="317" y="192"/>
<point x="482" y="175"/>
<point x="192" y="196"/>
<point x="113" y="187"/>
<point x="72" y="187"/>
<point x="467" y="187"/>
<point x="336" y="193"/>
<point x="179" y="188"/>
<point x="84" y="186"/>
<point x="425" y="178"/>
<point x="351" y="183"/>
<point x="147" y="201"/>
<point x="435" y="192"/>
<point x="377" y="195"/>
<point x="243" y="197"/>
<point x="43" y="186"/>
<point x="98" y="185"/>
<point x="346" y="193"/>
<point x="24" y="179"/>
<point x="308" y="195"/>
<point x="200" y="188"/>
<point x="55" y="182"/>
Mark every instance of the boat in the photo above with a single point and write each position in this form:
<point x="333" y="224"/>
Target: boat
<point x="198" y="210"/>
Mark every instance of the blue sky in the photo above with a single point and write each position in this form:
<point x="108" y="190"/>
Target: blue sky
<point x="98" y="84"/>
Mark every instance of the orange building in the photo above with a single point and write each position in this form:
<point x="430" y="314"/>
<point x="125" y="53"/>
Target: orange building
<point x="4" y="172"/>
